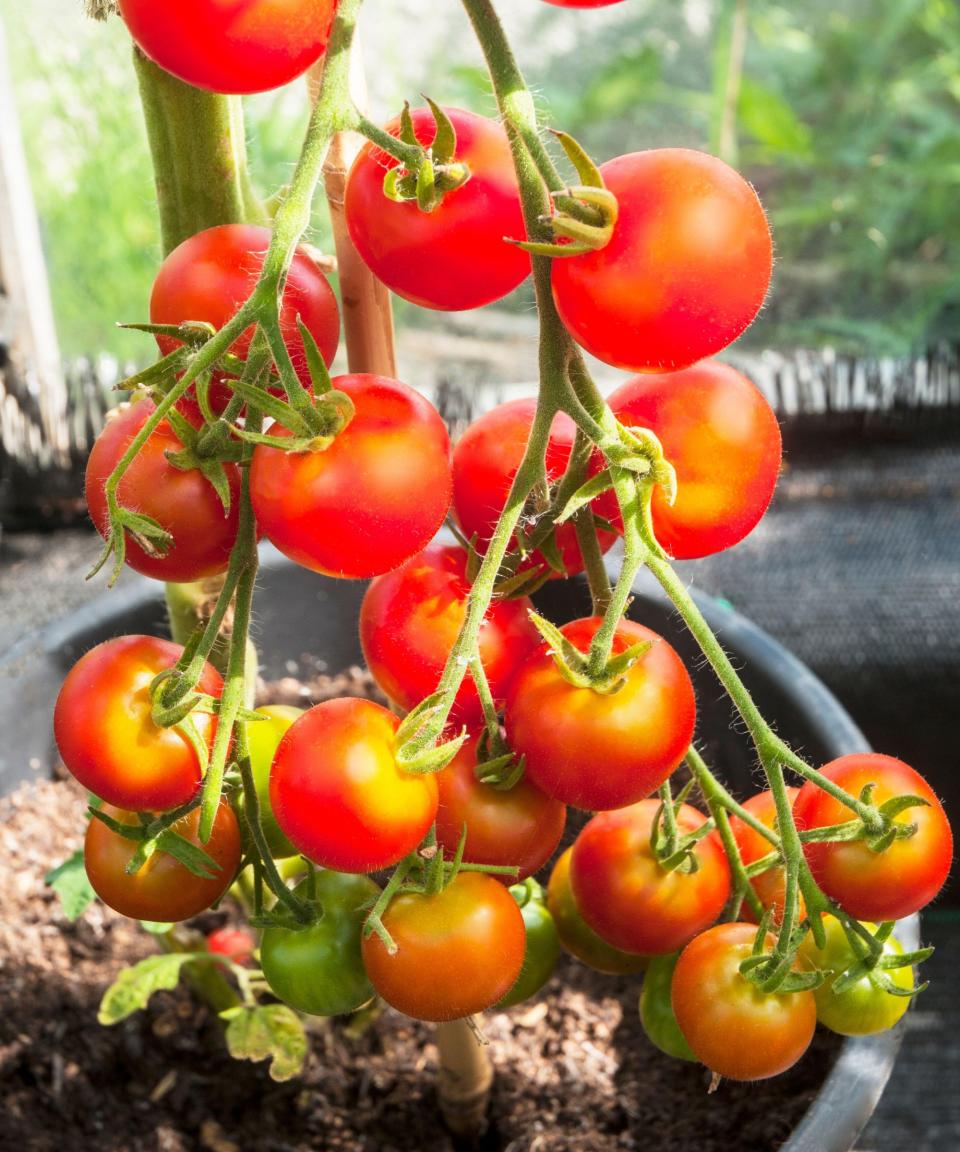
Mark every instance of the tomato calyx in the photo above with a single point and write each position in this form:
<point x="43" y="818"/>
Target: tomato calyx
<point x="497" y="764"/>
<point x="673" y="852"/>
<point x="878" y="828"/>
<point x="157" y="834"/>
<point x="417" y="750"/>
<point x="872" y="961"/>
<point x="575" y="666"/>
<point x="424" y="174"/>
<point x="778" y="971"/>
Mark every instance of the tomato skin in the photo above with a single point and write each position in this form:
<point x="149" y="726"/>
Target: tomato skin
<point x="210" y="275"/>
<point x="628" y="899"/>
<point x="576" y="935"/>
<point x="731" y="1026"/>
<point x="542" y="949"/>
<point x="722" y="437"/>
<point x="863" y="1009"/>
<point x="338" y="794"/>
<point x="656" y="1011"/>
<point x="458" y="952"/>
<point x="771" y="885"/>
<point x="596" y="751"/>
<point x="236" y="48"/>
<point x="163" y="890"/>
<point x="685" y="272"/>
<point x="410" y="620"/>
<point x="520" y="827"/>
<point x="263" y="739"/>
<point x="318" y="969"/>
<point x="184" y="503"/>
<point x="105" y="733"/>
<point x="487" y="458"/>
<point x="371" y="500"/>
<point x="235" y="944"/>
<point x="455" y="257"/>
<point x="877" y="886"/>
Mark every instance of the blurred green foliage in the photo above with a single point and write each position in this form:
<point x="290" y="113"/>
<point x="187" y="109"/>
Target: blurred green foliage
<point x="847" y="120"/>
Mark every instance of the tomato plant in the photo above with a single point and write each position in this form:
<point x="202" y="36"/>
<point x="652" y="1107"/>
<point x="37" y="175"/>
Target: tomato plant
<point x="594" y="750"/>
<point x="163" y="889"/>
<point x="410" y="620"/>
<point x="456" y="255"/>
<point x="237" y="47"/>
<point x="542" y="947"/>
<point x="338" y="793"/>
<point x="317" y="968"/>
<point x="372" y="499"/>
<point x="733" y="1027"/>
<point x="722" y="437"/>
<point x="626" y="895"/>
<point x="458" y="951"/>
<point x="905" y="876"/>
<point x="685" y="273"/>
<point x="184" y="503"/>
<point x="769" y="885"/>
<point x="105" y="730"/>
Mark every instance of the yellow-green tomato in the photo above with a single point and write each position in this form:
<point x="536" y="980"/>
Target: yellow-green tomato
<point x="263" y="739"/>
<point x="863" y="1008"/>
<point x="318" y="968"/>
<point x="542" y="949"/>
<point x="656" y="1010"/>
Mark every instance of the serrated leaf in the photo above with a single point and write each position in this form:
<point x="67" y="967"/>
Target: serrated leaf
<point x="132" y="989"/>
<point x="69" y="881"/>
<point x="268" y="1031"/>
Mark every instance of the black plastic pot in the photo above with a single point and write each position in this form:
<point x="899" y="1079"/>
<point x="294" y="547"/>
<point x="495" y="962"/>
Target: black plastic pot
<point x="298" y="612"/>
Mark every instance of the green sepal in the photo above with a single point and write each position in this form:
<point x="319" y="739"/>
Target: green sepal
<point x="316" y="365"/>
<point x="444" y="147"/>
<point x="585" y="494"/>
<point x="192" y="857"/>
<point x="578" y="156"/>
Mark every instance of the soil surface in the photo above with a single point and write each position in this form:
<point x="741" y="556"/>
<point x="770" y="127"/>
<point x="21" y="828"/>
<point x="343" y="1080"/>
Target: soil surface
<point x="575" y="1072"/>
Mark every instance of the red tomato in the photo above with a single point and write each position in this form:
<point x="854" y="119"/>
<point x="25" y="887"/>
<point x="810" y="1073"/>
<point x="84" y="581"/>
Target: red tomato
<point x="458" y="952"/>
<point x="596" y="751"/>
<point x="734" y="1028"/>
<point x="105" y="733"/>
<point x="184" y="503"/>
<point x="163" y="890"/>
<point x="456" y="256"/>
<point x="410" y="620"/>
<point x="687" y="268"/>
<point x="486" y="460"/>
<point x="871" y="885"/>
<point x="339" y="795"/>
<point x="236" y="944"/>
<point x="520" y="827"/>
<point x="770" y="886"/>
<point x="232" y="46"/>
<point x="210" y="275"/>
<point x="628" y="899"/>
<point x="722" y="437"/>
<point x="369" y="501"/>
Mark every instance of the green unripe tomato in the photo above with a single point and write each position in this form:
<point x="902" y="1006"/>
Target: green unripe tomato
<point x="318" y="969"/>
<point x="543" y="944"/>
<point x="862" y="1009"/>
<point x="656" y="1010"/>
<point x="263" y="738"/>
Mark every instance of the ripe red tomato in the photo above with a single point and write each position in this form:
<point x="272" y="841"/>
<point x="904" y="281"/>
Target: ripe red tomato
<point x="458" y="952"/>
<point x="235" y="944"/>
<point x="771" y="885"/>
<point x="685" y="272"/>
<point x="105" y="733"/>
<point x="596" y="751"/>
<point x="486" y="460"/>
<point x="628" y="899"/>
<point x="163" y="890"/>
<point x="210" y="275"/>
<point x="576" y="935"/>
<point x="516" y="828"/>
<point x="184" y="503"/>
<point x="236" y="47"/>
<point x="871" y="885"/>
<point x="722" y="437"/>
<point x="337" y="791"/>
<point x="734" y="1028"/>
<point x="410" y="620"/>
<point x="456" y="256"/>
<point x="371" y="500"/>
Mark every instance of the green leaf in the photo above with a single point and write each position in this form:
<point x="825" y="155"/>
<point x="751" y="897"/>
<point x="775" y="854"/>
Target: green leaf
<point x="69" y="881"/>
<point x="769" y="119"/>
<point x="132" y="989"/>
<point x="268" y="1031"/>
<point x="155" y="927"/>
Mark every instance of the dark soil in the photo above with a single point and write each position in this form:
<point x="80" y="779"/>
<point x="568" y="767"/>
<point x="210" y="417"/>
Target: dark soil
<point x="574" y="1069"/>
